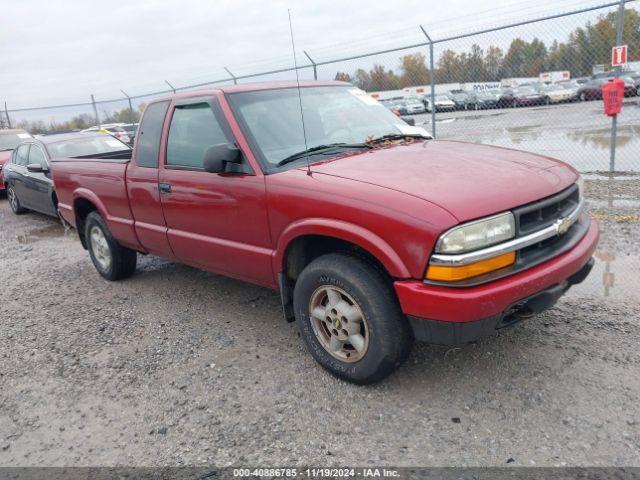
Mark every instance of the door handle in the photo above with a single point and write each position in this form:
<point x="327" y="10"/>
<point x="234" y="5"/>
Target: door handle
<point x="164" y="188"/>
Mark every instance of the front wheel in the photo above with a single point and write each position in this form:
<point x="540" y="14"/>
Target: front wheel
<point x="350" y="320"/>
<point x="112" y="260"/>
<point x="14" y="202"/>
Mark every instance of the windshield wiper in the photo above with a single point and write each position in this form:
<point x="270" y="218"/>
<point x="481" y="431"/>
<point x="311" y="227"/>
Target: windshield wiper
<point x="397" y="136"/>
<point x="318" y="150"/>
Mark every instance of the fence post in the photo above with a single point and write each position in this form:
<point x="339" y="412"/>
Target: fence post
<point x="315" y="67"/>
<point x="6" y="112"/>
<point x="130" y="107"/>
<point x="170" y="86"/>
<point x="235" y="79"/>
<point x="432" y="80"/>
<point x="95" y="110"/>
<point x="614" y="120"/>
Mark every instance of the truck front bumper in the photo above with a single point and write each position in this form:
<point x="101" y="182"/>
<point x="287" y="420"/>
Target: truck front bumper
<point x="452" y="316"/>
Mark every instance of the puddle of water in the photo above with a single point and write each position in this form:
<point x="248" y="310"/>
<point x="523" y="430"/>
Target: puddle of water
<point x="55" y="230"/>
<point x="614" y="276"/>
<point x="578" y="134"/>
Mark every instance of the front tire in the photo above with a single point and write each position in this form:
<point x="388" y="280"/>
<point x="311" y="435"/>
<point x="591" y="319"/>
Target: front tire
<point x="14" y="202"/>
<point x="350" y="319"/>
<point x="112" y="260"/>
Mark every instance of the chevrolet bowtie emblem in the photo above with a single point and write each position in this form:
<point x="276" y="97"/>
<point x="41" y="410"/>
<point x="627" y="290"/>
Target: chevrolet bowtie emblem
<point x="563" y="224"/>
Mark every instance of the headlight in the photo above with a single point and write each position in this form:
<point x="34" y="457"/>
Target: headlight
<point x="479" y="234"/>
<point x="580" y="183"/>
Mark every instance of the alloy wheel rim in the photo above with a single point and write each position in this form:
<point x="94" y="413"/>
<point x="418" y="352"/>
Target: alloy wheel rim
<point x="339" y="323"/>
<point x="100" y="247"/>
<point x="12" y="198"/>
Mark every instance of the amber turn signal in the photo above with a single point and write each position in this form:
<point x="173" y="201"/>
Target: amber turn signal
<point x="442" y="273"/>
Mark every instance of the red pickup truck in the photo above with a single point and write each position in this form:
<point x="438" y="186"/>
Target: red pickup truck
<point x="373" y="233"/>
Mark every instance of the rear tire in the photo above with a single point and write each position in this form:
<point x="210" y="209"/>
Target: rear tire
<point x="350" y="319"/>
<point x="112" y="260"/>
<point x="14" y="202"/>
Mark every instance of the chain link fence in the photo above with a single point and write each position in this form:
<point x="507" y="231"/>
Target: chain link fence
<point x="534" y="85"/>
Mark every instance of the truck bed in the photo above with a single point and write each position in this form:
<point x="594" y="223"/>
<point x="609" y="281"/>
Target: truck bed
<point x="102" y="182"/>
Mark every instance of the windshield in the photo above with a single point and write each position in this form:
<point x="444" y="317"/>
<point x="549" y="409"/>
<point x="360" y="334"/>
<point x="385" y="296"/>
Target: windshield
<point x="9" y="141"/>
<point x="526" y="91"/>
<point x="332" y="115"/>
<point x="442" y="98"/>
<point x="89" y="145"/>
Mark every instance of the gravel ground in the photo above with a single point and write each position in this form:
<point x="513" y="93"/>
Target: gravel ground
<point x="180" y="367"/>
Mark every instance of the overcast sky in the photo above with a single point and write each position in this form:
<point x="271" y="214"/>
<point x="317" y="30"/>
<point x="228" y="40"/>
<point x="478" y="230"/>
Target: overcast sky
<point x="61" y="51"/>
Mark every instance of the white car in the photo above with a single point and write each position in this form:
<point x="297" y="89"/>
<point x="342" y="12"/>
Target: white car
<point x="114" y="129"/>
<point x="442" y="102"/>
<point x="414" y="105"/>
<point x="560" y="93"/>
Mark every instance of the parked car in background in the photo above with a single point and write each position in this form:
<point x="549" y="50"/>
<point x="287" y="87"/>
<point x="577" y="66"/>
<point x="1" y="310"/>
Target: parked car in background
<point x="635" y="78"/>
<point x="528" y="95"/>
<point x="131" y="129"/>
<point x="414" y="105"/>
<point x="27" y="175"/>
<point x="9" y="140"/>
<point x="400" y="106"/>
<point x="397" y="108"/>
<point x="114" y="129"/>
<point x="558" y="93"/>
<point x="592" y="90"/>
<point x="630" y="86"/>
<point x="442" y="103"/>
<point x="489" y="98"/>
<point x="506" y="97"/>
<point x="374" y="234"/>
<point x="464" y="100"/>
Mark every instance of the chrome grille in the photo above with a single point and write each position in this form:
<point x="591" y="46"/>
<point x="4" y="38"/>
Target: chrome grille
<point x="545" y="212"/>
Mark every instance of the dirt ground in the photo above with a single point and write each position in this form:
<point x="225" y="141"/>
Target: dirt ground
<point x="176" y="366"/>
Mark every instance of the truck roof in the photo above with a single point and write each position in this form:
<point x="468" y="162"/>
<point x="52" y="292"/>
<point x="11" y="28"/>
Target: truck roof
<point x="250" y="87"/>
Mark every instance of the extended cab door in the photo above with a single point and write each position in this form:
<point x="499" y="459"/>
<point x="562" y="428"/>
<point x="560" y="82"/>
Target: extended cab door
<point x="142" y="182"/>
<point x="216" y="221"/>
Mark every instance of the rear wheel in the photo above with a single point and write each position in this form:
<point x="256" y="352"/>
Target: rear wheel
<point x="350" y="320"/>
<point x="14" y="202"/>
<point x="112" y="260"/>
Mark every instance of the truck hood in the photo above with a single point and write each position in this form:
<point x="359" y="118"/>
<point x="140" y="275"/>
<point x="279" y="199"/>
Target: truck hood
<point x="466" y="179"/>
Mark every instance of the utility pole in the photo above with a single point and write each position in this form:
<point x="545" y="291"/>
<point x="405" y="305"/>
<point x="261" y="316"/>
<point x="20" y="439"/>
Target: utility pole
<point x="618" y="71"/>
<point x="432" y="80"/>
<point x="95" y="110"/>
<point x="6" y="112"/>
<point x="235" y="79"/>
<point x="130" y="107"/>
<point x="315" y="67"/>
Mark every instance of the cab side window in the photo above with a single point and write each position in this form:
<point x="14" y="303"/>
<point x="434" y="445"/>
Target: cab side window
<point x="36" y="155"/>
<point x="194" y="128"/>
<point x="22" y="156"/>
<point x="149" y="133"/>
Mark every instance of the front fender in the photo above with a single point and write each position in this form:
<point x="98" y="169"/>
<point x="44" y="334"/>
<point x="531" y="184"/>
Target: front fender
<point x="365" y="239"/>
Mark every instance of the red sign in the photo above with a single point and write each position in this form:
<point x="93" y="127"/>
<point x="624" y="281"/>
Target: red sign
<point x="619" y="55"/>
<point x="612" y="96"/>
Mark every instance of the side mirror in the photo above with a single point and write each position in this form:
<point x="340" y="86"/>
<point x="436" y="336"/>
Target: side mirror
<point x="37" y="168"/>
<point x="217" y="156"/>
